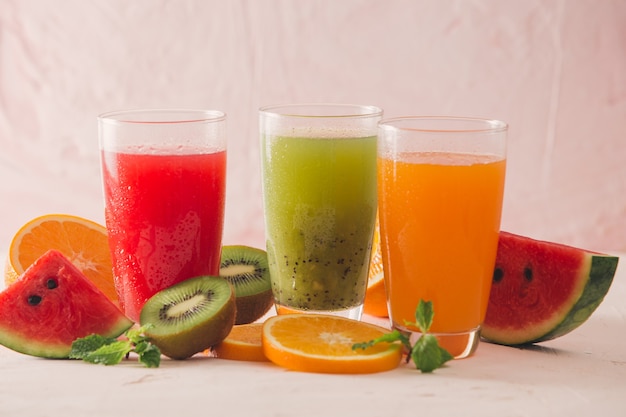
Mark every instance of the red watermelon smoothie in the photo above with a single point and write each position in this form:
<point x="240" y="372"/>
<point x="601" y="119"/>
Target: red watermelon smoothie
<point x="164" y="204"/>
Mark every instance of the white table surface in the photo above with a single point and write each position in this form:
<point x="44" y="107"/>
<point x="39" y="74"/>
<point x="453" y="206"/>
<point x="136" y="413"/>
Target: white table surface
<point x="580" y="374"/>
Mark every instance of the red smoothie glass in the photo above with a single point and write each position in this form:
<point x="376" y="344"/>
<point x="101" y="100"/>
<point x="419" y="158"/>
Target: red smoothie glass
<point x="164" y="178"/>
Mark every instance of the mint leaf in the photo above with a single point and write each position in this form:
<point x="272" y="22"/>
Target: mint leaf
<point x="84" y="346"/>
<point x="110" y="351"/>
<point x="150" y="355"/>
<point x="426" y="353"/>
<point x="137" y="335"/>
<point x="424" y="315"/>
<point x="110" y="354"/>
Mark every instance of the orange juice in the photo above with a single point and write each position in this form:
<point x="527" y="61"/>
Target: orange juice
<point x="440" y="218"/>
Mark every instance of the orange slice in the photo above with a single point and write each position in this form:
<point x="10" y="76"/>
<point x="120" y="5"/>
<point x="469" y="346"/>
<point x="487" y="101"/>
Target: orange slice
<point x="323" y="343"/>
<point x="243" y="343"/>
<point x="375" y="297"/>
<point x="82" y="241"/>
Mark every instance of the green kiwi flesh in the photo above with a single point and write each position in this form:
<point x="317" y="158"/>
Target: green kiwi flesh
<point x="246" y="268"/>
<point x="190" y="316"/>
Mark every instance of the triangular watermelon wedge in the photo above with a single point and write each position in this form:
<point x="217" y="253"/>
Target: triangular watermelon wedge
<point x="543" y="290"/>
<point x="52" y="305"/>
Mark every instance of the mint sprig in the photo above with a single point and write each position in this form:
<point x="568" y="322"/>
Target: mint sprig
<point x="426" y="353"/>
<point x="110" y="351"/>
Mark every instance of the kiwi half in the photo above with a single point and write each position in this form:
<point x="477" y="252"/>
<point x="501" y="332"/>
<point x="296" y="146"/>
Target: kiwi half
<point x="247" y="270"/>
<point x="190" y="316"/>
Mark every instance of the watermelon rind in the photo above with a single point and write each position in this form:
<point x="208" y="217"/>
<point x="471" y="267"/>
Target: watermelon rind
<point x="601" y="275"/>
<point x="43" y="349"/>
<point x="590" y="286"/>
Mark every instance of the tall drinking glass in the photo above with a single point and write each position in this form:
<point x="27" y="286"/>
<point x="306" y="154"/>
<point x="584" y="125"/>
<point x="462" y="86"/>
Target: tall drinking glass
<point x="319" y="189"/>
<point x="441" y="185"/>
<point x="164" y="175"/>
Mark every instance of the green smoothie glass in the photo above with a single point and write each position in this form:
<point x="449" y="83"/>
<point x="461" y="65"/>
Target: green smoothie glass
<point x="319" y="192"/>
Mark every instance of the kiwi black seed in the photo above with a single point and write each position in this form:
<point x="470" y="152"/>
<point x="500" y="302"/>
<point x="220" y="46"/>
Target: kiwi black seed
<point x="247" y="270"/>
<point x="190" y="316"/>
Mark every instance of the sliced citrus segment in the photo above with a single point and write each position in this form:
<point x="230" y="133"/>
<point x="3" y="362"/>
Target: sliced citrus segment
<point x="375" y="297"/>
<point x="243" y="343"/>
<point x="82" y="241"/>
<point x="323" y="343"/>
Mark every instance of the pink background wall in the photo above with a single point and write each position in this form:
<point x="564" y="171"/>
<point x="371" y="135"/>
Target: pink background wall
<point x="555" y="70"/>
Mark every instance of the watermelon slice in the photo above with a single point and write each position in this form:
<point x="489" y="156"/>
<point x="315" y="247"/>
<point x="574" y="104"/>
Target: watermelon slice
<point x="543" y="290"/>
<point x="52" y="305"/>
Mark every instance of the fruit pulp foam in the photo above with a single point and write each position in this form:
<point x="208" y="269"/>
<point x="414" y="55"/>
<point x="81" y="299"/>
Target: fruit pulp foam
<point x="164" y="217"/>
<point x="320" y="208"/>
<point x="440" y="218"/>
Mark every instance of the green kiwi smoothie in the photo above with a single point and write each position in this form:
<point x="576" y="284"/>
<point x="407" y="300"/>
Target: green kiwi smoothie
<point x="320" y="209"/>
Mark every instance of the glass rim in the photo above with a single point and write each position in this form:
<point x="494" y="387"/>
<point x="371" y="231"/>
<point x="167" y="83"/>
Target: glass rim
<point x="426" y="123"/>
<point x="291" y="110"/>
<point x="162" y="116"/>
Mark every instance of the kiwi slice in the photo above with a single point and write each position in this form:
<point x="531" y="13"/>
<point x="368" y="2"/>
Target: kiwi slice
<point x="247" y="270"/>
<point x="190" y="316"/>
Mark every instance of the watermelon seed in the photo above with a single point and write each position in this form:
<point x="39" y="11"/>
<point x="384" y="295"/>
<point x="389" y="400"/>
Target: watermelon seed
<point x="52" y="283"/>
<point x="498" y="274"/>
<point x="528" y="274"/>
<point x="33" y="300"/>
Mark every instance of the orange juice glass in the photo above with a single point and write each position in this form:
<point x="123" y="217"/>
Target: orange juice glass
<point x="440" y="191"/>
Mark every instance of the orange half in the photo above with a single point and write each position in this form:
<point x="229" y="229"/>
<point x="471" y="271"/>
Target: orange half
<point x="82" y="241"/>
<point x="323" y="343"/>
